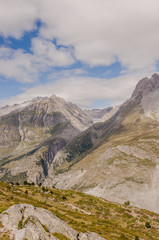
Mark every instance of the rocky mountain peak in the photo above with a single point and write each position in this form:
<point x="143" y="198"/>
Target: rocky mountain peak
<point x="146" y="85"/>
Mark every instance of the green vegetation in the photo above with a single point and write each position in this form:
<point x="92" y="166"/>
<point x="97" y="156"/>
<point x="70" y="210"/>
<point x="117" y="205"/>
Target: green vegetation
<point x="83" y="212"/>
<point x="26" y="192"/>
<point x="5" y="236"/>
<point x="19" y="178"/>
<point x="148" y="225"/>
<point x="60" y="236"/>
<point x="127" y="203"/>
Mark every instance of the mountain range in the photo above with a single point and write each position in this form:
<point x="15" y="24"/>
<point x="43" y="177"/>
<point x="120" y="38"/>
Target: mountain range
<point x="51" y="142"/>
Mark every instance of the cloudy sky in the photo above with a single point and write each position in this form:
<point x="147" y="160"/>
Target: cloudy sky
<point x="90" y="52"/>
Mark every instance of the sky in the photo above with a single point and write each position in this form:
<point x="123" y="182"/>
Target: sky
<point x="89" y="52"/>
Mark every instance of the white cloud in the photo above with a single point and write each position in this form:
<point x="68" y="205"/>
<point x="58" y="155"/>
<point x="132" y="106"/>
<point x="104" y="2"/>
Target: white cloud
<point x="96" y="32"/>
<point x="100" y="31"/>
<point x="46" y="52"/>
<point x="83" y="91"/>
<point x="103" y="31"/>
<point x="17" y="16"/>
<point x="26" y="67"/>
<point x="67" y="73"/>
<point x="17" y="64"/>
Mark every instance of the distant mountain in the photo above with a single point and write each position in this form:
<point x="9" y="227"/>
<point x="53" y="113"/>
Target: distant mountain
<point x="101" y="115"/>
<point x="97" y="114"/>
<point x="29" y="129"/>
<point x="109" y="114"/>
<point x="119" y="158"/>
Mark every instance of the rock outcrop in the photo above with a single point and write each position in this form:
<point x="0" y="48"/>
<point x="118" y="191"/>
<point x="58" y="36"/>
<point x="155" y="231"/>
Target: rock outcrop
<point x="24" y="221"/>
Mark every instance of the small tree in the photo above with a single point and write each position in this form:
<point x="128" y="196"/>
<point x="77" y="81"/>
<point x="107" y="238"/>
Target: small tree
<point x="123" y="237"/>
<point x="64" y="198"/>
<point x="127" y="203"/>
<point x="25" y="183"/>
<point x="136" y="238"/>
<point x="148" y="225"/>
<point x="26" y="192"/>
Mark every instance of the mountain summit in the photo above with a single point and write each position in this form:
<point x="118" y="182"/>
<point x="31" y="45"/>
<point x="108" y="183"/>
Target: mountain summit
<point x="147" y="85"/>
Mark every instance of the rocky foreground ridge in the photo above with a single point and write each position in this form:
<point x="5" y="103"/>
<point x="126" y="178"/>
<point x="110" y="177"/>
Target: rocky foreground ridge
<point x="33" y="212"/>
<point x="24" y="221"/>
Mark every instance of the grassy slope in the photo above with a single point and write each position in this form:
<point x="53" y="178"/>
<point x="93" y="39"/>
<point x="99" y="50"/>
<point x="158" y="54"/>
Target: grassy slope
<point x="110" y="220"/>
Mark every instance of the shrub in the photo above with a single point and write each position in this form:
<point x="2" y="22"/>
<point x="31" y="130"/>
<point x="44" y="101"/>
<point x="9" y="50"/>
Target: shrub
<point x="44" y="189"/>
<point x="148" y="225"/>
<point x="64" y="198"/>
<point x="127" y="203"/>
<point x="122" y="236"/>
<point x="26" y="192"/>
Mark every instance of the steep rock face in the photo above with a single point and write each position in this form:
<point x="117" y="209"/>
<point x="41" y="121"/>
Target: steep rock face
<point x="117" y="159"/>
<point x="32" y="134"/>
<point x="146" y="85"/>
<point x="24" y="221"/>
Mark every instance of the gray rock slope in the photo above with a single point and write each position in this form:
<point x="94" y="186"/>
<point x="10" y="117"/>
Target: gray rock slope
<point x="24" y="221"/>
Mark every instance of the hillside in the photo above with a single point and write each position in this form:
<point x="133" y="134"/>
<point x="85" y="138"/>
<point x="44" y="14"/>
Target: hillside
<point x="81" y="213"/>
